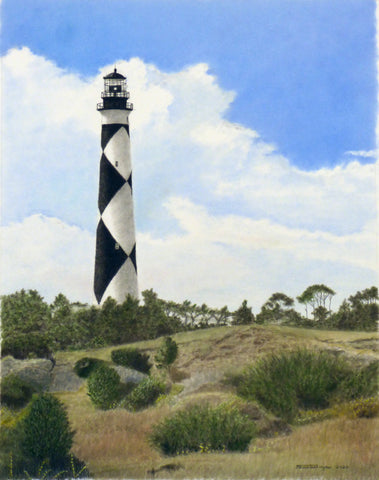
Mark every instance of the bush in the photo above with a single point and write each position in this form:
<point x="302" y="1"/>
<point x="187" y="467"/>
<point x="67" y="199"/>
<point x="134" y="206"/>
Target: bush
<point x="47" y="435"/>
<point x="285" y="382"/>
<point x="144" y="394"/>
<point x="85" y="366"/>
<point x="365" y="407"/>
<point x="361" y="382"/>
<point x="131" y="358"/>
<point x="167" y="353"/>
<point x="203" y="428"/>
<point x="104" y="387"/>
<point x="22" y="345"/>
<point x="15" y="392"/>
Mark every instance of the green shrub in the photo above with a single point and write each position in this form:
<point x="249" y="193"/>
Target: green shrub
<point x="131" y="358"/>
<point x="144" y="394"/>
<point x="362" y="382"/>
<point x="167" y="353"/>
<point x="285" y="382"/>
<point x="203" y="428"/>
<point x="22" y="345"/>
<point x="104" y="387"/>
<point x="47" y="435"/>
<point x="15" y="392"/>
<point x="85" y="366"/>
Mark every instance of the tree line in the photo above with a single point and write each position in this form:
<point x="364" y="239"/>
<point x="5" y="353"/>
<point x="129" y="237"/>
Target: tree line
<point x="31" y="326"/>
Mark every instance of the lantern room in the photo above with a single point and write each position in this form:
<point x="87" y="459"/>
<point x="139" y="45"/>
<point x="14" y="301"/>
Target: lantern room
<point x="115" y="94"/>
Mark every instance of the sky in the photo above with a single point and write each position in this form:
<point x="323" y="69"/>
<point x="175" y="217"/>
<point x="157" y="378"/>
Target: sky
<point x="253" y="136"/>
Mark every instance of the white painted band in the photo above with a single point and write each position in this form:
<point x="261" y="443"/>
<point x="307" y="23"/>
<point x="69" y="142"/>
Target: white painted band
<point x="114" y="116"/>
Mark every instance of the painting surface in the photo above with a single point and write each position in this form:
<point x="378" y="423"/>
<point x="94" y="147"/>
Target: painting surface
<point x="253" y="144"/>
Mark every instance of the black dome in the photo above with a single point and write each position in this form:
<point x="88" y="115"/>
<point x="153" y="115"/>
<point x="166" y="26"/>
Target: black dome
<point x="114" y="74"/>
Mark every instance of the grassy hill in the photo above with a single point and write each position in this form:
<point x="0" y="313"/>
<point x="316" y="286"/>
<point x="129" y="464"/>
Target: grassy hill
<point x="114" y="443"/>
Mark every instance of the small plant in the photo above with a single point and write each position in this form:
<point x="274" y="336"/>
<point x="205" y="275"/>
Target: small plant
<point x="85" y="366"/>
<point x="310" y="416"/>
<point x="167" y="353"/>
<point x="104" y="387"/>
<point x="202" y="428"/>
<point x="359" y="408"/>
<point x="366" y="407"/>
<point x="144" y="394"/>
<point x="71" y="468"/>
<point x="15" y="392"/>
<point x="131" y="358"/>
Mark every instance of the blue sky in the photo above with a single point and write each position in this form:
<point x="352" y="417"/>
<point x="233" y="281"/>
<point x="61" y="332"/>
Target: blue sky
<point x="303" y="70"/>
<point x="253" y="143"/>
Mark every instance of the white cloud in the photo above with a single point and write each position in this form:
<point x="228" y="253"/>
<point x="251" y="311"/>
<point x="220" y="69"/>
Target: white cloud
<point x="218" y="260"/>
<point x="224" y="259"/>
<point x="363" y="153"/>
<point x="48" y="255"/>
<point x="221" y="214"/>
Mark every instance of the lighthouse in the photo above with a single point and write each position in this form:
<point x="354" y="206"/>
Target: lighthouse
<point x="115" y="261"/>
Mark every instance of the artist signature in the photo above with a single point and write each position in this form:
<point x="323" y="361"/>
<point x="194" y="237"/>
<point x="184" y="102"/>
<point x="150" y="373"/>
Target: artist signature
<point x="323" y="467"/>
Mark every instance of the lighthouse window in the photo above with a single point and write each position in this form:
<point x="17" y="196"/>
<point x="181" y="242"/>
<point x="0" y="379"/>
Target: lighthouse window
<point x="116" y="163"/>
<point x="117" y="246"/>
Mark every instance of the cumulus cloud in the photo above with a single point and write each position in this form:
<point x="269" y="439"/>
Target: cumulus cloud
<point x="228" y="258"/>
<point x="218" y="260"/>
<point x="47" y="255"/>
<point x="221" y="214"/>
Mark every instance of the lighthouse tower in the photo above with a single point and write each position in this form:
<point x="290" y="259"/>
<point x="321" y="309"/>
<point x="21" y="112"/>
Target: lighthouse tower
<point x="115" y="263"/>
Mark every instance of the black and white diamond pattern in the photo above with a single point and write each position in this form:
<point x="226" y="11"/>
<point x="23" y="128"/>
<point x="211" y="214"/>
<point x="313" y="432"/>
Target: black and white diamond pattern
<point x="115" y="264"/>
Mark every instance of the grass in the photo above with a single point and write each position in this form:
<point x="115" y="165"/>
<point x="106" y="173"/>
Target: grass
<point x="119" y="450"/>
<point x="114" y="444"/>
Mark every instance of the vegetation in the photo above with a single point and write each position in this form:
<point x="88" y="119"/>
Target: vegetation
<point x="167" y="353"/>
<point x="86" y="365"/>
<point x="243" y="315"/>
<point x="46" y="431"/>
<point x="38" y="441"/>
<point x="144" y="394"/>
<point x="104" y="387"/>
<point x="278" y="309"/>
<point x="204" y="428"/>
<point x="335" y="423"/>
<point x="286" y="382"/>
<point x="15" y="392"/>
<point x="32" y="327"/>
<point x="115" y="443"/>
<point x="131" y="358"/>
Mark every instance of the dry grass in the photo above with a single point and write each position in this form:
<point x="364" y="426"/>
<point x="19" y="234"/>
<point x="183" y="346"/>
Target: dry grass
<point x="351" y="444"/>
<point x="114" y="445"/>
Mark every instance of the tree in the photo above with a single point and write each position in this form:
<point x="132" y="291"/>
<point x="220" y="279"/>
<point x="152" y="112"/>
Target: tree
<point x="167" y="353"/>
<point x="360" y="312"/>
<point x="25" y="321"/>
<point x="153" y="320"/>
<point x="61" y="328"/>
<point x="222" y="315"/>
<point x="276" y="309"/>
<point x="24" y="312"/>
<point x="316" y="296"/>
<point x="46" y="431"/>
<point x="243" y="315"/>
